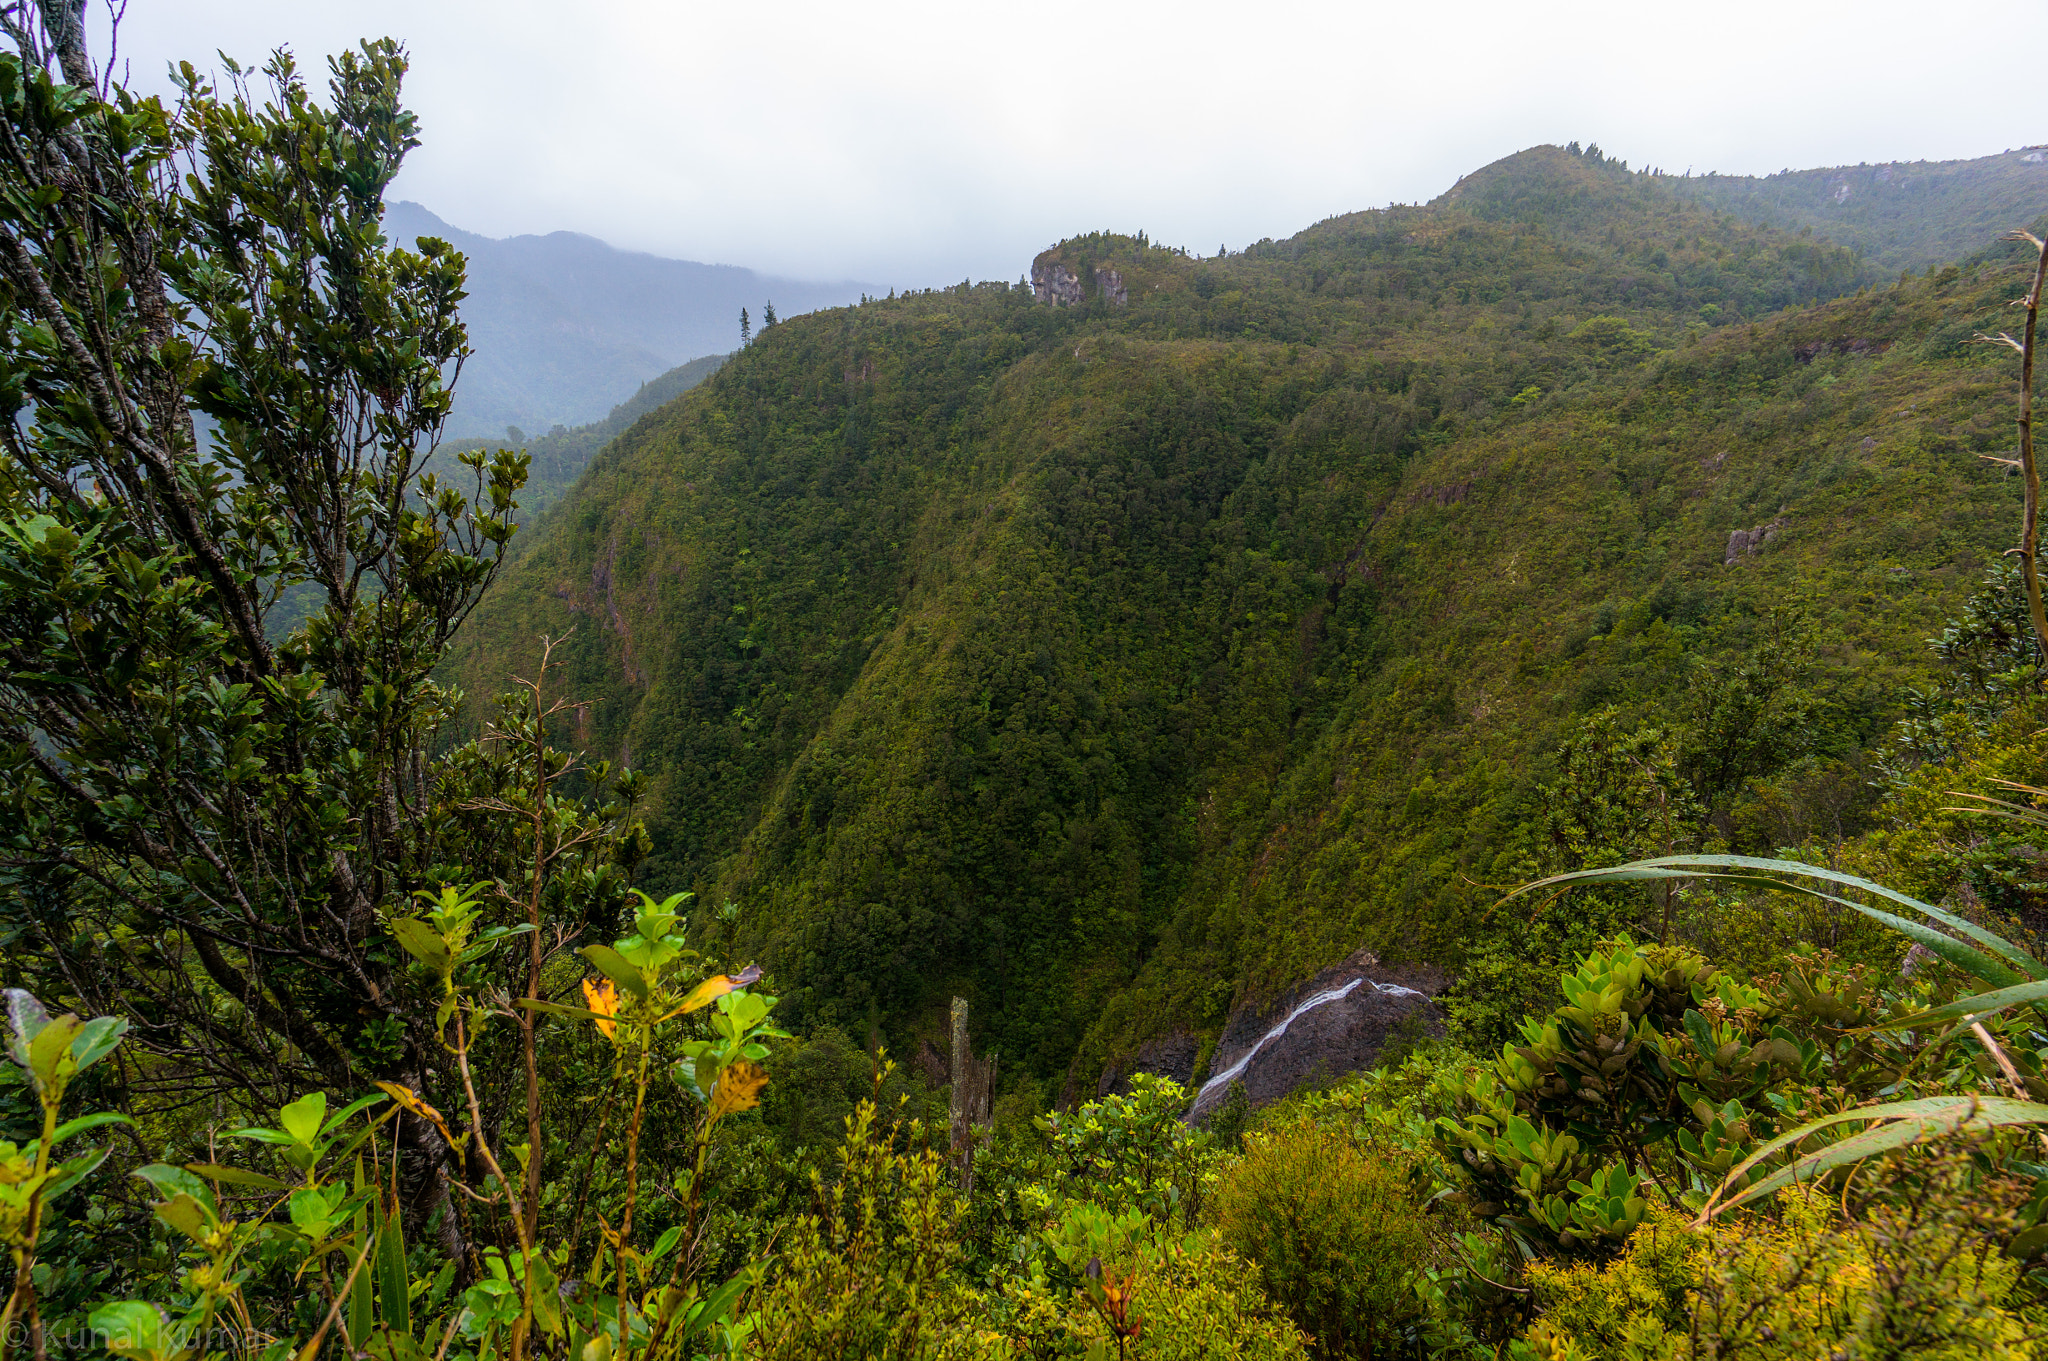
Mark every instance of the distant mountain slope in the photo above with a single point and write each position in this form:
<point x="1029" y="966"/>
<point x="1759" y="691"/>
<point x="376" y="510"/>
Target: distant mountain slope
<point x="1898" y="215"/>
<point x="560" y="455"/>
<point x="1120" y="648"/>
<point x="565" y="326"/>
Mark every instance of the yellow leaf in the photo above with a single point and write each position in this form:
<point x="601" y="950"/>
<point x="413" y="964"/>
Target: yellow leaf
<point x="738" y="1089"/>
<point x="603" y="996"/>
<point x="409" y="1101"/>
<point x="717" y="986"/>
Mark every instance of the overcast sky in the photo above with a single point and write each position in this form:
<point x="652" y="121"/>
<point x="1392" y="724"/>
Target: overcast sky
<point x="913" y="142"/>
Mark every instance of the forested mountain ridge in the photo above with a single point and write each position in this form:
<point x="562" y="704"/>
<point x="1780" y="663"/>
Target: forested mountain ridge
<point x="1897" y="214"/>
<point x="1111" y="663"/>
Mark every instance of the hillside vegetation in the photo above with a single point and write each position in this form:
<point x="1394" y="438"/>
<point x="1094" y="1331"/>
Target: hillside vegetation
<point x="1113" y="664"/>
<point x="557" y="458"/>
<point x="1898" y="214"/>
<point x="1113" y="652"/>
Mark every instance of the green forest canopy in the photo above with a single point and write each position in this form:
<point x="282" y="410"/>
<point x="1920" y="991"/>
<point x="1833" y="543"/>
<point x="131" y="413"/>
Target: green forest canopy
<point x="1115" y="664"/>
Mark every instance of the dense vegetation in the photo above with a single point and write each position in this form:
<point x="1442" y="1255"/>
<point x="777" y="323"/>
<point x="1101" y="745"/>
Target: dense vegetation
<point x="557" y="458"/>
<point x="1110" y="662"/>
<point x="1898" y="215"/>
<point x="1178" y="648"/>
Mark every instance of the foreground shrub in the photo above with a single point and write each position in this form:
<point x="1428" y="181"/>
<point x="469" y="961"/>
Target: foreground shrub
<point x="1189" y="1299"/>
<point x="1332" y="1231"/>
<point x="1917" y="1269"/>
<point x="870" y="1272"/>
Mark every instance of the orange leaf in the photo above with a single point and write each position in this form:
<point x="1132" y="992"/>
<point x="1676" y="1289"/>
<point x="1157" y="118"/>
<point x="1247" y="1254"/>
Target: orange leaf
<point x="717" y="986"/>
<point x="603" y="997"/>
<point x="738" y="1089"/>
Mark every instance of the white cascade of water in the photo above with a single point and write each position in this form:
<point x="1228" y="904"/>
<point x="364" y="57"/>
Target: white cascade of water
<point x="1222" y="1081"/>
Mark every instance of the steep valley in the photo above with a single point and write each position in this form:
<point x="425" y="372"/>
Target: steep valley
<point x="1123" y="649"/>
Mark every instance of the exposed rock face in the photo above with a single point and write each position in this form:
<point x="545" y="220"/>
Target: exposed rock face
<point x="1057" y="283"/>
<point x="1748" y="542"/>
<point x="1169" y="1056"/>
<point x="1336" y="1023"/>
<point x="1053" y="282"/>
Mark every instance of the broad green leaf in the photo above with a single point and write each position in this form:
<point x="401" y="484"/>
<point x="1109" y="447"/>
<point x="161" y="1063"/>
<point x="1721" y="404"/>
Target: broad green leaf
<point x="312" y="1209"/>
<point x="422" y="942"/>
<point x="85" y="1122"/>
<point x="302" y="1118"/>
<point x="97" y="1040"/>
<point x="187" y="1216"/>
<point x="546" y="1296"/>
<point x="176" y="1181"/>
<point x="51" y="1046"/>
<point x="614" y="966"/>
<point x="131" y="1329"/>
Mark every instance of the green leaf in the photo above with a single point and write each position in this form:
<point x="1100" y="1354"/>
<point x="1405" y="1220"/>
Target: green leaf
<point x="2030" y="1242"/>
<point x="71" y="1128"/>
<point x="131" y="1329"/>
<point x="422" y="942"/>
<point x="613" y="965"/>
<point x="394" y="1288"/>
<point x="97" y="1040"/>
<point x="69" y="1174"/>
<point x="546" y="1295"/>
<point x="1976" y="1005"/>
<point x="340" y="1117"/>
<point x="360" y="1316"/>
<point x="303" y="1118"/>
<point x="1905" y="1122"/>
<point x="236" y="1176"/>
<point x="1716" y="867"/>
<point x="187" y="1216"/>
<point x="176" y="1181"/>
<point x="48" y="1050"/>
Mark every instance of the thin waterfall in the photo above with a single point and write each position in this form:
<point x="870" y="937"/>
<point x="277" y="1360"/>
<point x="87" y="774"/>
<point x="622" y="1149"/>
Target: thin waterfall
<point x="1222" y="1080"/>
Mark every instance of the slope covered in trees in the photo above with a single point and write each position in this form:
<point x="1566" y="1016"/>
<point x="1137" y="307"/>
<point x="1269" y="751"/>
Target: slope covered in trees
<point x="1116" y="662"/>
<point x="559" y="456"/>
<point x="1897" y="215"/>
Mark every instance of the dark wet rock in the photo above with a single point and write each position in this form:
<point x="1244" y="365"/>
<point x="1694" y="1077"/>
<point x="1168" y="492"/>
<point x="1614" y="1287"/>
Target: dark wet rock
<point x="1336" y="1023"/>
<point x="929" y="1063"/>
<point x="1169" y="1056"/>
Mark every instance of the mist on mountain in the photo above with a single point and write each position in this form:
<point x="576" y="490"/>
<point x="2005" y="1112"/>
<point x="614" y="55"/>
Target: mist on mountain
<point x="566" y="327"/>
